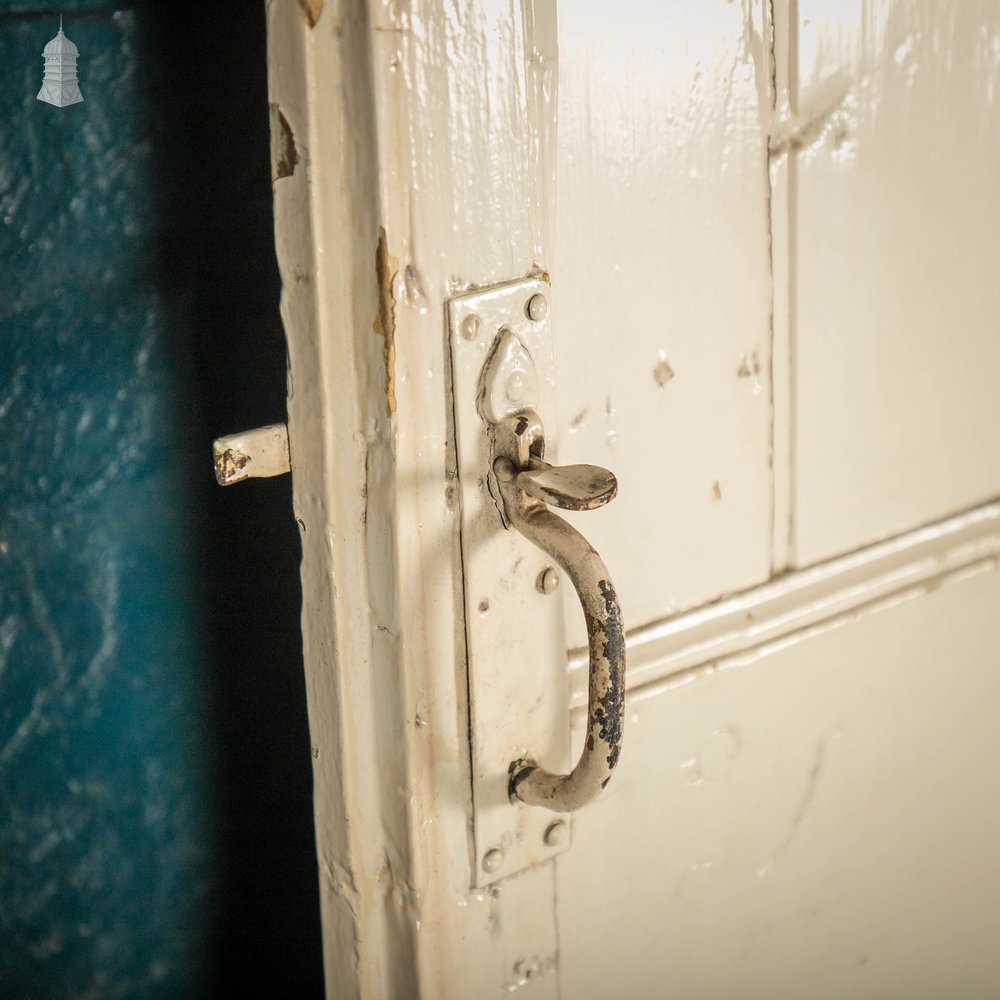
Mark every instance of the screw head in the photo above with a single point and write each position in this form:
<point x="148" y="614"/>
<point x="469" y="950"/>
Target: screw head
<point x="492" y="860"/>
<point x="470" y="326"/>
<point x="537" y="308"/>
<point x="548" y="580"/>
<point x="557" y="834"/>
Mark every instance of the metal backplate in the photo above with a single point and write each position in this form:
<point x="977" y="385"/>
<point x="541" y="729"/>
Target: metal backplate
<point x="518" y="682"/>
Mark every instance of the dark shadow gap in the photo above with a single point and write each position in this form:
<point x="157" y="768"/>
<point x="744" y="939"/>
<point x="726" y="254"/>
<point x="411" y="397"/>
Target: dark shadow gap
<point x="217" y="249"/>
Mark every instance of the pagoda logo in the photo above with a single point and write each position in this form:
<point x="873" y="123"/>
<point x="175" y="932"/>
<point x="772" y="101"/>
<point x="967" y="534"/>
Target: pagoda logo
<point x="59" y="86"/>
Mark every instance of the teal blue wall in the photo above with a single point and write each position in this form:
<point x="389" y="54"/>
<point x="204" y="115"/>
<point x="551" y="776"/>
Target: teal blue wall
<point x="155" y="829"/>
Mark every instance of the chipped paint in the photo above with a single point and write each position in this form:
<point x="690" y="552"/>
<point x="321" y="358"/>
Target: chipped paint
<point x="284" y="154"/>
<point x="528" y="971"/>
<point x="311" y="10"/>
<point x="386" y="269"/>
<point x="663" y="373"/>
<point x="749" y="368"/>
<point x="525" y="506"/>
<point x="827" y="122"/>
<point x="256" y="454"/>
<point x="612" y="704"/>
<point x="229" y="466"/>
<point x="571" y="487"/>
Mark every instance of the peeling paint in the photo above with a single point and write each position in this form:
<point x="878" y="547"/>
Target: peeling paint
<point x="663" y="372"/>
<point x="229" y="466"/>
<point x="311" y="10"/>
<point x="386" y="269"/>
<point x="829" y="122"/>
<point x="571" y="487"/>
<point x="750" y="368"/>
<point x="340" y="881"/>
<point x="284" y="154"/>
<point x="611" y="710"/>
<point x="527" y="972"/>
<point x="526" y="509"/>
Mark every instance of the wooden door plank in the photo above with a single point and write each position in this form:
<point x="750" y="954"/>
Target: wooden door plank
<point x="662" y="286"/>
<point x="896" y="237"/>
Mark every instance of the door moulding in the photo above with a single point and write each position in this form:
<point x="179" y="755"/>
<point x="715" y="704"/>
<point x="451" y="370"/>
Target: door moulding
<point x="906" y="566"/>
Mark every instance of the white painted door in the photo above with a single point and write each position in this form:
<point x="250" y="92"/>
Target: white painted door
<point x="767" y="236"/>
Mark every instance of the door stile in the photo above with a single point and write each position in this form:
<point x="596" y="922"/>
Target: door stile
<point x="325" y="171"/>
<point x="413" y="153"/>
<point x="465" y="114"/>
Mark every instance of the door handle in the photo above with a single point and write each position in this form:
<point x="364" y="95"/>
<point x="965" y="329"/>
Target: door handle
<point x="503" y="376"/>
<point x="527" y="487"/>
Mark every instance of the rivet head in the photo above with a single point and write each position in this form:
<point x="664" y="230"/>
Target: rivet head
<point x="557" y="834"/>
<point x="470" y="326"/>
<point x="516" y="387"/>
<point x="504" y="469"/>
<point x="492" y="860"/>
<point x="548" y="580"/>
<point x="537" y="308"/>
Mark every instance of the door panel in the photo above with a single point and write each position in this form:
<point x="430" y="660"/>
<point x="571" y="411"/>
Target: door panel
<point x="896" y="236"/>
<point x="663" y="296"/>
<point x="820" y="821"/>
